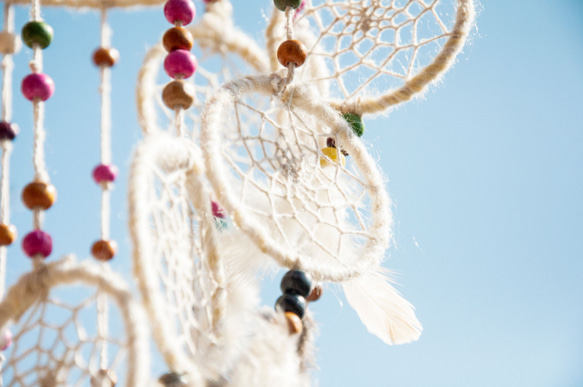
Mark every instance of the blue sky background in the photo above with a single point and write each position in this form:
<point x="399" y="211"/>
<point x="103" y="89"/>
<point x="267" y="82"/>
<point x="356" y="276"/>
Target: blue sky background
<point x="485" y="173"/>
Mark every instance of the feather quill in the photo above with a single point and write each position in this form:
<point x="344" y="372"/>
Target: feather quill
<point x="381" y="308"/>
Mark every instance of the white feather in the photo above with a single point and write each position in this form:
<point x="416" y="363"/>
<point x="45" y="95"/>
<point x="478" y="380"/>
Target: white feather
<point x="383" y="311"/>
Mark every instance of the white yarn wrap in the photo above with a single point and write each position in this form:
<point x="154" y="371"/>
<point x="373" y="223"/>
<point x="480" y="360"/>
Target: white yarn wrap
<point x="214" y="33"/>
<point x="217" y="136"/>
<point x="33" y="291"/>
<point x="352" y="34"/>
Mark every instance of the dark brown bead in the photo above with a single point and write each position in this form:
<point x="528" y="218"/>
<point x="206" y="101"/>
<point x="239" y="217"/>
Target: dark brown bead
<point x="177" y="38"/>
<point x="294" y="323"/>
<point x="104" y="250"/>
<point x="315" y="294"/>
<point x="105" y="57"/>
<point x="7" y="234"/>
<point x="178" y="94"/>
<point x="291" y="51"/>
<point x="39" y="194"/>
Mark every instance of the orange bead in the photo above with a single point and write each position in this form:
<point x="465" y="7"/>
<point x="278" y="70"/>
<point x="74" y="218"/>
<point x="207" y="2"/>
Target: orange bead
<point x="39" y="194"/>
<point x="315" y="294"/>
<point x="7" y="234"/>
<point x="291" y="51"/>
<point x="104" y="250"/>
<point x="177" y="38"/>
<point x="105" y="56"/>
<point x="178" y="94"/>
<point x="294" y="323"/>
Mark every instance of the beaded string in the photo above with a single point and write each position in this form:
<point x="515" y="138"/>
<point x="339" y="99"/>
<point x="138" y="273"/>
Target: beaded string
<point x="104" y="175"/>
<point x="37" y="87"/>
<point x="9" y="44"/>
<point x="180" y="63"/>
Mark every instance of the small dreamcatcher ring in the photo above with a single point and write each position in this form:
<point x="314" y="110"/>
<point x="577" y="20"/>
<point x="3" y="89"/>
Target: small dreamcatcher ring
<point x="284" y="166"/>
<point x="28" y="303"/>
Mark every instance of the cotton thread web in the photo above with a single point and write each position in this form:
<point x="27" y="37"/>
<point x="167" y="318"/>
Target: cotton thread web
<point x="184" y="278"/>
<point x="310" y="203"/>
<point x="54" y="345"/>
<point x="373" y="46"/>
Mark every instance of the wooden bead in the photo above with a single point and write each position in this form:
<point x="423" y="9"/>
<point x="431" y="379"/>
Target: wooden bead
<point x="291" y="303"/>
<point x="37" y="32"/>
<point x="283" y="4"/>
<point x="177" y="38"/>
<point x="294" y="323"/>
<point x="104" y="250"/>
<point x="172" y="379"/>
<point x="291" y="52"/>
<point x="178" y="94"/>
<point x="331" y="154"/>
<point x="39" y="194"/>
<point x="296" y="282"/>
<point x="7" y="234"/>
<point x="355" y="122"/>
<point x="315" y="294"/>
<point x="106" y="57"/>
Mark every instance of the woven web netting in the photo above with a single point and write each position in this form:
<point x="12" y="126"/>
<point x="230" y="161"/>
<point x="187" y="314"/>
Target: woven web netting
<point x="73" y="332"/>
<point x="178" y="278"/>
<point x="325" y="213"/>
<point x="374" y="47"/>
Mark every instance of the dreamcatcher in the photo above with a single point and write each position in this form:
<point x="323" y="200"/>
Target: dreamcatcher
<point x="236" y="172"/>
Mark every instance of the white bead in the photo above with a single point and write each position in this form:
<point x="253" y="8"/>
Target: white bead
<point x="9" y="43"/>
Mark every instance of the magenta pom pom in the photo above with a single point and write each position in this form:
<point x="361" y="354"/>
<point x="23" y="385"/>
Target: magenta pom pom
<point x="37" y="242"/>
<point x="218" y="211"/>
<point x="105" y="173"/>
<point x="180" y="64"/>
<point x="37" y="86"/>
<point x="5" y="339"/>
<point x="179" y="11"/>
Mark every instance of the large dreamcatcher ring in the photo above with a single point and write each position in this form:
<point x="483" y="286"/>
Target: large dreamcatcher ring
<point x="295" y="179"/>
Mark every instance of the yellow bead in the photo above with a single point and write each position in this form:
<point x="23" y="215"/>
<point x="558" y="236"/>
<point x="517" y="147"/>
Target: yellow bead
<point x="294" y="323"/>
<point x="331" y="154"/>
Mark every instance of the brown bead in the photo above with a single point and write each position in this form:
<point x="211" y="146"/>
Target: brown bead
<point x="104" y="250"/>
<point x="177" y="38"/>
<point x="294" y="323"/>
<point x="39" y="194"/>
<point x="291" y="51"/>
<point x="105" y="56"/>
<point x="315" y="294"/>
<point x="7" y="234"/>
<point x="178" y="94"/>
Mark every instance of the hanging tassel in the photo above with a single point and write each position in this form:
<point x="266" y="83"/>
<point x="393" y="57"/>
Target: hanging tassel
<point x="381" y="308"/>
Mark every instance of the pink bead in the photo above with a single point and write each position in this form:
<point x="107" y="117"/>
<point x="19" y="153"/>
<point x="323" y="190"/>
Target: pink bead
<point x="218" y="211"/>
<point x="5" y="339"/>
<point x="181" y="11"/>
<point x="37" y="86"/>
<point x="105" y="173"/>
<point x="37" y="242"/>
<point x="180" y="64"/>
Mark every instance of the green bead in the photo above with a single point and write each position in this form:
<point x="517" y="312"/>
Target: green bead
<point x="355" y="123"/>
<point x="37" y="32"/>
<point x="283" y="4"/>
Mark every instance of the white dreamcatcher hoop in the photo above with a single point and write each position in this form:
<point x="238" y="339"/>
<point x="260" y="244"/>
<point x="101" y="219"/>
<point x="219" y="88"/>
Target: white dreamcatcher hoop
<point x="274" y="180"/>
<point x="182" y="283"/>
<point x="227" y="51"/>
<point x="53" y="345"/>
<point x="379" y="53"/>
